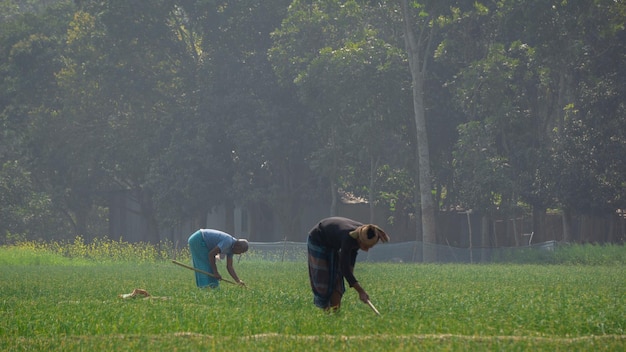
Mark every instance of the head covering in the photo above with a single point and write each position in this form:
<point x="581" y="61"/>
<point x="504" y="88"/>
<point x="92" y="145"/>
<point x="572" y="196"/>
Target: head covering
<point x="370" y="234"/>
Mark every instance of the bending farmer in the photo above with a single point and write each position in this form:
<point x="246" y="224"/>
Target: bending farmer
<point x="205" y="245"/>
<point x="333" y="245"/>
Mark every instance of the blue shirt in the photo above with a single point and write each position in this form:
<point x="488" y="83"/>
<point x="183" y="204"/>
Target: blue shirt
<point x="216" y="238"/>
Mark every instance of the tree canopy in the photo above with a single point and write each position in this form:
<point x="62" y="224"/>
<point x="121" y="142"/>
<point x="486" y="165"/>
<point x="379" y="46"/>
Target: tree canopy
<point x="512" y="105"/>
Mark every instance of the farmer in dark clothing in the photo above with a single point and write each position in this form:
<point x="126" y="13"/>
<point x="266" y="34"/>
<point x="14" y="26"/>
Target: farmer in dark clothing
<point x="333" y="245"/>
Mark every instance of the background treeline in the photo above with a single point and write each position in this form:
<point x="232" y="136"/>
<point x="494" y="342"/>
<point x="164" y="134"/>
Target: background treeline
<point x="192" y="105"/>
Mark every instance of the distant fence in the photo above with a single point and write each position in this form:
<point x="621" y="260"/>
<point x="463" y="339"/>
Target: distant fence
<point x="403" y="252"/>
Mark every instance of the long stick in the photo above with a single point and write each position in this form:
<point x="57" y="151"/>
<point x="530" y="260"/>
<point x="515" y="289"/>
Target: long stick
<point x="373" y="308"/>
<point x="201" y="271"/>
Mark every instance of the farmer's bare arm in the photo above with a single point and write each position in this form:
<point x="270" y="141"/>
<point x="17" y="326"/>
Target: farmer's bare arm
<point x="212" y="253"/>
<point x="231" y="269"/>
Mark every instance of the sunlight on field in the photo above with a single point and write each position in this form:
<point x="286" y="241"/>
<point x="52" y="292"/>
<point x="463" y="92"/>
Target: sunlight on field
<point x="59" y="305"/>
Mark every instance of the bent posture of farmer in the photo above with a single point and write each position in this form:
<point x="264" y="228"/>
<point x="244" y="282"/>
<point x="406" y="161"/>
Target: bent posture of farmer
<point x="333" y="245"/>
<point x="205" y="245"/>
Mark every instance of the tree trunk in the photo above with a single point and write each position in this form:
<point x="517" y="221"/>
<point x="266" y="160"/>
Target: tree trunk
<point x="372" y="190"/>
<point x="418" y="256"/>
<point x="229" y="218"/>
<point x="417" y="50"/>
<point x="151" y="234"/>
<point x="516" y="235"/>
<point x="334" y="200"/>
<point x="539" y="219"/>
<point x="80" y="225"/>
<point x="567" y="225"/>
<point x="610" y="228"/>
<point x="484" y="238"/>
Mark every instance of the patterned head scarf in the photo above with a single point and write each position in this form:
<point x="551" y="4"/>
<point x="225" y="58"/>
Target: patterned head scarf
<point x="370" y="234"/>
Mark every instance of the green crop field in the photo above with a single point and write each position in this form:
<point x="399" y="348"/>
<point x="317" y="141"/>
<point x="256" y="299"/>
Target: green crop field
<point x="51" y="301"/>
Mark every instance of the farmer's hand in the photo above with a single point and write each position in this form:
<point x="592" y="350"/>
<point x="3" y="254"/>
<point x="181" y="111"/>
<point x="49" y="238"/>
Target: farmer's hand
<point x="363" y="296"/>
<point x="217" y="276"/>
<point x="241" y="283"/>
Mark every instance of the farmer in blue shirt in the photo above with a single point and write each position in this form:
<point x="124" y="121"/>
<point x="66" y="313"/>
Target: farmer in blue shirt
<point x="205" y="245"/>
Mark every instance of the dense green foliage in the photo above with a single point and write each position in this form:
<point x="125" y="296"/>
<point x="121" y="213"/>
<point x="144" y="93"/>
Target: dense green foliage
<point x="191" y="105"/>
<point x="54" y="303"/>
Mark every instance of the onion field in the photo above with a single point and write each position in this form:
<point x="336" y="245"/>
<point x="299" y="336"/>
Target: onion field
<point x="54" y="302"/>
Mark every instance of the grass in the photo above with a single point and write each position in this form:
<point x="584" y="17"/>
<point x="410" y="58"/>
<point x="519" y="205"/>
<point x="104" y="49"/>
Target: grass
<point x="577" y="254"/>
<point x="55" y="302"/>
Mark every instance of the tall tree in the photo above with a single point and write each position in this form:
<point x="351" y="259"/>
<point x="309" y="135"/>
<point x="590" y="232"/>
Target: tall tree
<point x="350" y="76"/>
<point x="419" y="31"/>
<point x="252" y="125"/>
<point x="515" y="84"/>
<point x="31" y="47"/>
<point x="589" y="139"/>
<point x="121" y="83"/>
